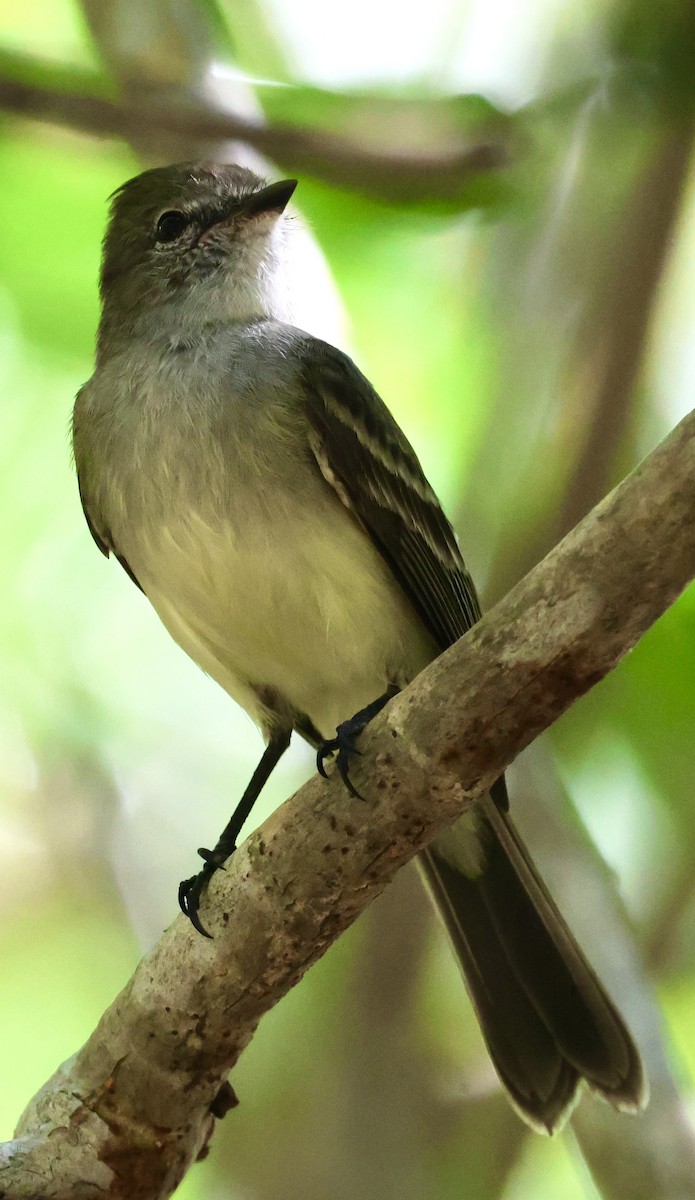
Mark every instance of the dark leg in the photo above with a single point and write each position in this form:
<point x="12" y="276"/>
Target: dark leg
<point x="191" y="890"/>
<point x="346" y="734"/>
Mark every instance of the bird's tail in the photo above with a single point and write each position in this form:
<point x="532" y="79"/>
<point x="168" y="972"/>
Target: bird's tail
<point x="547" y="1020"/>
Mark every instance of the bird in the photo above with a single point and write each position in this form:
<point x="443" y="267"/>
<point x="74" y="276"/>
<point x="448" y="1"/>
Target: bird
<point x="257" y="489"/>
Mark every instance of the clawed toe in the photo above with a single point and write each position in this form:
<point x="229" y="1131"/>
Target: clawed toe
<point x="191" y="890"/>
<point x="343" y="746"/>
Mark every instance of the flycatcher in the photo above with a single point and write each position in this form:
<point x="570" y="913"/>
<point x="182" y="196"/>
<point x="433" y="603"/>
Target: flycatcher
<point x="259" y="492"/>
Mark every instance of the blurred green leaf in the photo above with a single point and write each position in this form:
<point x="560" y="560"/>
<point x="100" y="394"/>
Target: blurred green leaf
<point x="115" y="751"/>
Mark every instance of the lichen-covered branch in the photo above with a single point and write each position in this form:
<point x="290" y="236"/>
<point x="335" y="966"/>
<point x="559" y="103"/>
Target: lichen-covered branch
<point x="132" y="1109"/>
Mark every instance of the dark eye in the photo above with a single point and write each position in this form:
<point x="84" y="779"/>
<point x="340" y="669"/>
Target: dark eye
<point x="170" y="226"/>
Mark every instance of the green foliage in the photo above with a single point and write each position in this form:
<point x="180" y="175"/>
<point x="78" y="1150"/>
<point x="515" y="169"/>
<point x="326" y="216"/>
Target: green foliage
<point x="486" y="322"/>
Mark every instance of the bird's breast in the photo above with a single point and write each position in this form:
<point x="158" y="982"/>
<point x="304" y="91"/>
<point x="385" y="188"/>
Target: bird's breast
<point x="249" y="556"/>
<point x="300" y="604"/>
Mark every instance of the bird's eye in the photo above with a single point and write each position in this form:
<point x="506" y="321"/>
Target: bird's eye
<point x="170" y="226"/>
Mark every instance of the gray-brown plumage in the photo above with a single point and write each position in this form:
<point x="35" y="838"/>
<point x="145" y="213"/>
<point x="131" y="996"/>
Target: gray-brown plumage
<point x="546" y="1018"/>
<point x="257" y="489"/>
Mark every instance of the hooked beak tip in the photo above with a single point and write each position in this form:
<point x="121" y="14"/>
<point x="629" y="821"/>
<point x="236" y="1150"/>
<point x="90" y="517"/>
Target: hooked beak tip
<point x="271" y="199"/>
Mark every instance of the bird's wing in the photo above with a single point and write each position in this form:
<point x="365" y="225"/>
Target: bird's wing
<point x="103" y="538"/>
<point x="367" y="459"/>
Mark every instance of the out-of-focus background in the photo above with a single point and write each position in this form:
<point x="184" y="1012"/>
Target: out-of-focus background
<point x="502" y="195"/>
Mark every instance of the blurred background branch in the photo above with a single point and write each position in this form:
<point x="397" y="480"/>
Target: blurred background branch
<point x="150" y="119"/>
<point x="530" y="322"/>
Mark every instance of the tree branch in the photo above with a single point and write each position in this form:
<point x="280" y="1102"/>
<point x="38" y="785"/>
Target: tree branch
<point x="131" y="1110"/>
<point x="398" y="178"/>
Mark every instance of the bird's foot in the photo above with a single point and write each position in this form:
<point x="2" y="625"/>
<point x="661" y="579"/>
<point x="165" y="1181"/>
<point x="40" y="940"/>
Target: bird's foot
<point x="191" y="890"/>
<point x="343" y="744"/>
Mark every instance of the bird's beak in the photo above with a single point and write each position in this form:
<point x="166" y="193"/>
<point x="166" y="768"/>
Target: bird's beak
<point x="271" y="199"/>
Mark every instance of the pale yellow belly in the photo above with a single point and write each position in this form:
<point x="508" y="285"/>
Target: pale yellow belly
<point x="310" y="611"/>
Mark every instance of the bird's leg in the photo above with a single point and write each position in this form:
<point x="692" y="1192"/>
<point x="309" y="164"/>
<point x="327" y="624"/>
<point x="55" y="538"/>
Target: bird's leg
<point x="343" y="744"/>
<point x="191" y="890"/>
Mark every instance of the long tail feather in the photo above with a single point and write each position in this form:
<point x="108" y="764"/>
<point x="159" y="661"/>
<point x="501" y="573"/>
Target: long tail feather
<point x="546" y="1018"/>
